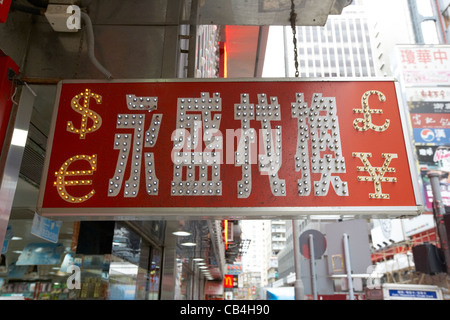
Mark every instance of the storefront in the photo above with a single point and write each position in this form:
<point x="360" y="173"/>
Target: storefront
<point x="110" y="260"/>
<point x="102" y="260"/>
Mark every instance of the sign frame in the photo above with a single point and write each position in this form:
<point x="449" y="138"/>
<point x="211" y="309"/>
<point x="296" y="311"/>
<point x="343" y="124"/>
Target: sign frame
<point x="288" y="212"/>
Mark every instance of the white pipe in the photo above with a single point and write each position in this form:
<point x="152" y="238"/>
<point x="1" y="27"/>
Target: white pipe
<point x="90" y="33"/>
<point x="299" y="289"/>
<point x="313" y="266"/>
<point x="348" y="266"/>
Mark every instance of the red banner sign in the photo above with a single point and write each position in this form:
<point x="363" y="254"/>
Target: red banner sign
<point x="6" y="94"/>
<point x="228" y="148"/>
<point x="4" y="10"/>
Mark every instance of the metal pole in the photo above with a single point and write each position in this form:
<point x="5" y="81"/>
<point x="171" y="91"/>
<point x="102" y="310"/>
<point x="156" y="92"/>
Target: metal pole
<point x="8" y="182"/>
<point x="348" y="266"/>
<point x="298" y="285"/>
<point x="285" y="47"/>
<point x="439" y="210"/>
<point x="192" y="38"/>
<point x="313" y="266"/>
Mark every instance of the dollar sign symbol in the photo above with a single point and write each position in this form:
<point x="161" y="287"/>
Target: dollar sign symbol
<point x="83" y="109"/>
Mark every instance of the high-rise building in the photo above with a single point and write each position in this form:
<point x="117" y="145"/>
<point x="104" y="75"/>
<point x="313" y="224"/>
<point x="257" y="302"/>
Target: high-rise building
<point x="348" y="45"/>
<point x="278" y="236"/>
<point x="255" y="262"/>
<point x="341" y="48"/>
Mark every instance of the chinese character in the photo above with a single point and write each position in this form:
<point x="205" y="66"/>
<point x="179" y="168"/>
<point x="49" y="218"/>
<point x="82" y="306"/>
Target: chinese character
<point x="408" y="56"/>
<point x="438" y="106"/>
<point x="270" y="160"/>
<point x="429" y="120"/>
<point x="440" y="55"/>
<point x="244" y="111"/>
<point x="424" y="56"/>
<point x="196" y="124"/>
<point x="125" y="142"/>
<point x="319" y="126"/>
<point x="416" y="119"/>
<point x="440" y="133"/>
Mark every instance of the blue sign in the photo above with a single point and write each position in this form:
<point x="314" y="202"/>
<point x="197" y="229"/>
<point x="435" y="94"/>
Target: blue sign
<point x="45" y="228"/>
<point x="41" y="254"/>
<point x="432" y="135"/>
<point x="8" y="236"/>
<point x="411" y="294"/>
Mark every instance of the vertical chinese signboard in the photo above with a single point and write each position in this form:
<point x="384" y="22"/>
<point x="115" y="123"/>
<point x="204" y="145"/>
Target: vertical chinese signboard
<point x="228" y="148"/>
<point x="425" y="74"/>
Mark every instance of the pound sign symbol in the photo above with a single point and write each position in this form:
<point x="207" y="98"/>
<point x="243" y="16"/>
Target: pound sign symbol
<point x="364" y="124"/>
<point x="83" y="109"/>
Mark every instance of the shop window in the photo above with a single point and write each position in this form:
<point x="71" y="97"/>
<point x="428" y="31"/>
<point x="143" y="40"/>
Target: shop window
<point x="119" y="266"/>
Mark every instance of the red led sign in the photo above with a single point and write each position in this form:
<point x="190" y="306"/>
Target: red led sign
<point x="226" y="148"/>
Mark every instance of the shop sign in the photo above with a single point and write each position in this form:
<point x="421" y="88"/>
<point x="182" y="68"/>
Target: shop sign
<point x="228" y="148"/>
<point x="424" y="64"/>
<point x="439" y="107"/>
<point x="433" y="94"/>
<point x="233" y="269"/>
<point x="424" y="57"/>
<point x="41" y="254"/>
<point x="413" y="294"/>
<point x="431" y="135"/>
<point x="427" y="120"/>
<point x="228" y="281"/>
<point x="416" y="225"/>
<point x="4" y="10"/>
<point x="214" y="288"/>
<point x="434" y="157"/>
<point x="445" y="194"/>
<point x="46" y="229"/>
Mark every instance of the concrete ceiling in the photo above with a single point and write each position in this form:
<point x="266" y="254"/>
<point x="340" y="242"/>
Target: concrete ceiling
<point x="268" y="12"/>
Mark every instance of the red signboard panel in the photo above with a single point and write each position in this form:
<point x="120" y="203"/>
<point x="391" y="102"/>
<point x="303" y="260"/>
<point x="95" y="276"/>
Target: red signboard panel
<point x="430" y="120"/>
<point x="4" y="10"/>
<point x="228" y="148"/>
<point x="6" y="93"/>
<point x="228" y="280"/>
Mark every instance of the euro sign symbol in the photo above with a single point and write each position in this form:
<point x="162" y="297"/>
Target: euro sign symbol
<point x="80" y="103"/>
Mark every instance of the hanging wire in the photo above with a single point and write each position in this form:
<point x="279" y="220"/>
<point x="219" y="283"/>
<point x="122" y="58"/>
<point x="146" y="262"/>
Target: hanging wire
<point x="293" y="18"/>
